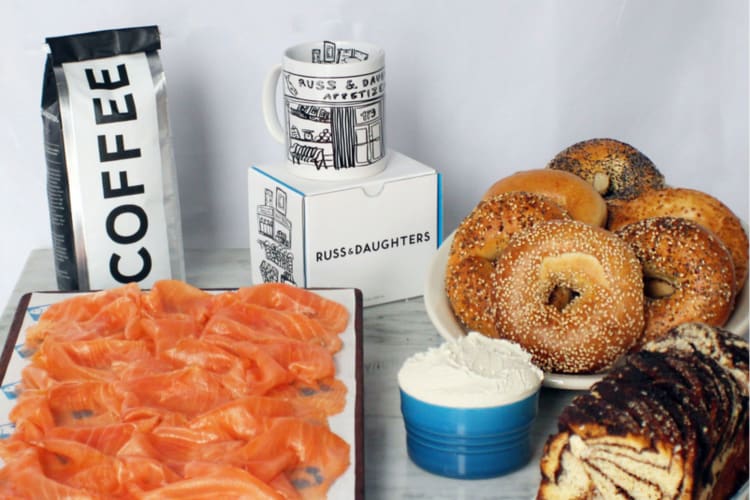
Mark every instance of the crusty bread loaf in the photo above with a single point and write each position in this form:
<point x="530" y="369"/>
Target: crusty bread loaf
<point x="669" y="422"/>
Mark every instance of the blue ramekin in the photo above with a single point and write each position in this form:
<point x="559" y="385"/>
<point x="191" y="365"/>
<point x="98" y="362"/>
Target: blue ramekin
<point x="469" y="443"/>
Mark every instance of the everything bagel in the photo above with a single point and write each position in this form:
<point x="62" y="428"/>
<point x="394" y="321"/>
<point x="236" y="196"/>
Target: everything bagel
<point x="694" y="205"/>
<point x="477" y="243"/>
<point x="688" y="273"/>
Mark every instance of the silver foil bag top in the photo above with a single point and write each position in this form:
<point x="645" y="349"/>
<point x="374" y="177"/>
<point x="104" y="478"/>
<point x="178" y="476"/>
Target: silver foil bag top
<point x="111" y="179"/>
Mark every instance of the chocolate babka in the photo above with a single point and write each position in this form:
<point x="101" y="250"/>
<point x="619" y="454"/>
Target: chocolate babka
<point x="670" y="421"/>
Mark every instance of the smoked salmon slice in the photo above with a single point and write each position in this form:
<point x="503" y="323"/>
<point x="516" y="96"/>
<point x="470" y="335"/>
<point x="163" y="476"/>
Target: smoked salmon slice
<point x="170" y="297"/>
<point x="318" y="456"/>
<point x="247" y="417"/>
<point x="87" y="359"/>
<point x="302" y="360"/>
<point x="86" y="402"/>
<point x="110" y="320"/>
<point x="206" y="480"/>
<point x="175" y="392"/>
<point x="84" y="307"/>
<point x="23" y="478"/>
<point x="162" y="333"/>
<point x="326" y="395"/>
<point x="289" y="298"/>
<point x="107" y="439"/>
<point x="188" y="390"/>
<point x="265" y="322"/>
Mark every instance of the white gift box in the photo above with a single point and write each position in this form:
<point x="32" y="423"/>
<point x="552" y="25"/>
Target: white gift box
<point x="377" y="234"/>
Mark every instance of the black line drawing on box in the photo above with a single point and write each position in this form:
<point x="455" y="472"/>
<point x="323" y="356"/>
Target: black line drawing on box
<point x="275" y="231"/>
<point x="269" y="272"/>
<point x="281" y="201"/>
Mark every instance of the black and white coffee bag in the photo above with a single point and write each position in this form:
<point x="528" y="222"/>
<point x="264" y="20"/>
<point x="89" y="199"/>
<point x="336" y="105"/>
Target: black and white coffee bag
<point x="111" y="179"/>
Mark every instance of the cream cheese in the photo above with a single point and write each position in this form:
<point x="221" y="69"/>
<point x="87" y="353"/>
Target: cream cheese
<point x="472" y="371"/>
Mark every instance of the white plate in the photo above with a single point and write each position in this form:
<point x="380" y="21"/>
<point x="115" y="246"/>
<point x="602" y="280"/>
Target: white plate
<point x="440" y="312"/>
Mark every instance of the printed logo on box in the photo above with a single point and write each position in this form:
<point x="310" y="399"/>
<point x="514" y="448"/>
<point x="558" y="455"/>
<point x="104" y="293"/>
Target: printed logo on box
<point x="6" y="430"/>
<point x="36" y="311"/>
<point x="275" y="238"/>
<point x="11" y="390"/>
<point x="380" y="245"/>
<point x="24" y="351"/>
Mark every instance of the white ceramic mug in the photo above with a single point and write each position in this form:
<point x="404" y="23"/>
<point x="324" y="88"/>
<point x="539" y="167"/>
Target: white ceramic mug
<point x="334" y="100"/>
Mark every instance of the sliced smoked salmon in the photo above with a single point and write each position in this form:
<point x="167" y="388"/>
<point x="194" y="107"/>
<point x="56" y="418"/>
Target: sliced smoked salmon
<point x="164" y="332"/>
<point x="170" y="297"/>
<point x="284" y="297"/>
<point x="24" y="478"/>
<point x="207" y="480"/>
<point x="318" y="456"/>
<point x="175" y="392"/>
<point x="107" y="439"/>
<point x="84" y="307"/>
<point x="325" y="395"/>
<point x="247" y="417"/>
<point x="263" y="322"/>
<point x="92" y="315"/>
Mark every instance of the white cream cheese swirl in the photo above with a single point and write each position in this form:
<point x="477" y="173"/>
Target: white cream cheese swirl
<point x="473" y="371"/>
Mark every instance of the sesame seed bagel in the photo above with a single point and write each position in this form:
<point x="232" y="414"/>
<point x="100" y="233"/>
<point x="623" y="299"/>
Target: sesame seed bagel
<point x="576" y="196"/>
<point x="616" y="170"/>
<point x="688" y="273"/>
<point x="690" y="204"/>
<point x="571" y="294"/>
<point x="477" y="243"/>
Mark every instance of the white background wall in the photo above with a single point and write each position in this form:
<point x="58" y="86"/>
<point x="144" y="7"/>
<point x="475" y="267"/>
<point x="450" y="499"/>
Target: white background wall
<point x="476" y="89"/>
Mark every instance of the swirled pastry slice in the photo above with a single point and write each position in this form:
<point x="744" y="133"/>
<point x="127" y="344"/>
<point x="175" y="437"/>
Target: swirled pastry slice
<point x="669" y="422"/>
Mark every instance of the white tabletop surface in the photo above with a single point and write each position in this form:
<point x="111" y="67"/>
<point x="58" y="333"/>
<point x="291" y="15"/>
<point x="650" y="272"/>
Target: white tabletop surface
<point x="392" y="332"/>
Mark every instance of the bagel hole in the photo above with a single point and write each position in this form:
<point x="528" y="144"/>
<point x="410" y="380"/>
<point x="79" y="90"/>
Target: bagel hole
<point x="657" y="288"/>
<point x="561" y="296"/>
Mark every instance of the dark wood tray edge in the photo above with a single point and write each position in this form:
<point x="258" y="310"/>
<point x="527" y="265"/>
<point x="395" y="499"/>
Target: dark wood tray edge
<point x="359" y="406"/>
<point x="13" y="331"/>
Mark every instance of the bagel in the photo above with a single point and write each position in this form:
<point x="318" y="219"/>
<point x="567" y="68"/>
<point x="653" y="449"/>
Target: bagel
<point x="688" y="273"/>
<point x="689" y="204"/>
<point x="477" y="242"/>
<point x="616" y="170"/>
<point x="576" y="196"/>
<point x="600" y="274"/>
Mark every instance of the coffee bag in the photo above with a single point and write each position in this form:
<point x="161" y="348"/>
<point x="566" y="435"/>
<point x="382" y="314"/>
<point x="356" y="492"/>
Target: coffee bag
<point x="111" y="179"/>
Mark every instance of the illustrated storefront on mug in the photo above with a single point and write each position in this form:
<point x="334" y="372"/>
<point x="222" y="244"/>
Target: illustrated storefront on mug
<point x="356" y="131"/>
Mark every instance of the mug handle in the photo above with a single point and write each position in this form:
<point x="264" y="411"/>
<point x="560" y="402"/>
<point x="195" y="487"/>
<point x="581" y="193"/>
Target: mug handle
<point x="270" y="113"/>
